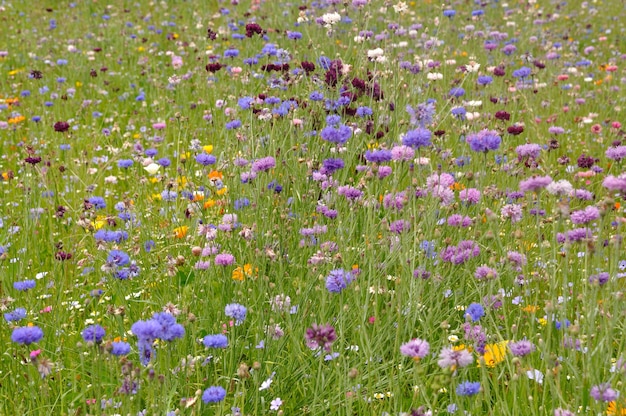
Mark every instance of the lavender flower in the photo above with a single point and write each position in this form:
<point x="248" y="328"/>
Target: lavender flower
<point x="416" y="349"/>
<point x="236" y="311"/>
<point x="599" y="279"/>
<point x="468" y="388"/>
<point x="586" y="215"/>
<point x="263" y="164"/>
<point x="603" y="392"/>
<point x="93" y="333"/>
<point x="215" y="341"/>
<point x="417" y="138"/>
<point x="521" y="348"/>
<point x="535" y="183"/>
<point x="475" y="311"/>
<point x="454" y="358"/>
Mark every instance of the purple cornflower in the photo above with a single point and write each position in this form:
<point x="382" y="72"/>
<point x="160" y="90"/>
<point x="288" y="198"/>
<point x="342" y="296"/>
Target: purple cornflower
<point x="97" y="202"/>
<point x="224" y="259"/>
<point x="205" y="159"/>
<point x="586" y="215"/>
<point x="613" y="183"/>
<point x="213" y="394"/>
<point x="468" y="388"/>
<point x="460" y="253"/>
<point x="423" y="114"/>
<point x="603" y="392"/>
<point x="456" y="92"/>
<point x="399" y="226"/>
<point x="402" y="152"/>
<point x="263" y="164"/>
<point x="235" y="124"/>
<point x="320" y="336"/>
<point x="529" y="150"/>
<point x="337" y="280"/>
<point x="349" y="192"/>
<point x="415" y="348"/>
<point x="453" y="359"/>
<point x="516" y="259"/>
<point x="616" y="153"/>
<point x="215" y="341"/>
<point x="521" y="348"/>
<point x="512" y="212"/>
<point x="470" y="195"/>
<point x="26" y="334"/>
<point x="417" y="138"/>
<point x="475" y="311"/>
<point x="484" y="141"/>
<point x="485" y="273"/>
<point x="599" y="279"/>
<point x="535" y="183"/>
<point x="124" y="163"/>
<point x="484" y="80"/>
<point x="236" y="311"/>
<point x="93" y="333"/>
<point x="523" y="72"/>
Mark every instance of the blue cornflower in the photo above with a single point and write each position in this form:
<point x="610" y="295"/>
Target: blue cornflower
<point x="337" y="280"/>
<point x="124" y="163"/>
<point x="378" y="156"/>
<point x="165" y="162"/>
<point x="236" y="311"/>
<point x="484" y="80"/>
<point x="364" y="112"/>
<point x="168" y="195"/>
<point x="215" y="341"/>
<point x="15" y="315"/>
<point x="205" y="159"/>
<point x="245" y="102"/>
<point x="118" y="258"/>
<point x="235" y="124"/>
<point x="170" y="330"/>
<point x="475" y="311"/>
<point x="120" y="348"/>
<point x="93" y="333"/>
<point x="417" y="138"/>
<point x="522" y="73"/>
<point x="24" y="285"/>
<point x="468" y="388"/>
<point x="214" y="394"/>
<point x="456" y="92"/>
<point x="241" y="203"/>
<point x="26" y="335"/>
<point x="338" y="135"/>
<point x="97" y="202"/>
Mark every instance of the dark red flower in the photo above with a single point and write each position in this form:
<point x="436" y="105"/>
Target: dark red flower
<point x="61" y="126"/>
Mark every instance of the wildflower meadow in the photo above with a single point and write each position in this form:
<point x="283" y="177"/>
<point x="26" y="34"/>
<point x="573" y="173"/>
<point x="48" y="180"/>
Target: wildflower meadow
<point x="330" y="207"/>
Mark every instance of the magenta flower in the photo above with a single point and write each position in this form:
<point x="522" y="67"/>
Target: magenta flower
<point x="320" y="336"/>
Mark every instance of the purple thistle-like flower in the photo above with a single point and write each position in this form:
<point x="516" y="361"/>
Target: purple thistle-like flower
<point x="529" y="150"/>
<point x="599" y="279"/>
<point x="484" y="141"/>
<point x="603" y="392"/>
<point x="170" y="330"/>
<point x="415" y="348"/>
<point x="349" y="192"/>
<point x="224" y="259"/>
<point x="93" y="333"/>
<point x="263" y="164"/>
<point x="460" y="253"/>
<point x="512" y="212"/>
<point x="205" y="159"/>
<point x="535" y="183"/>
<point x="451" y="358"/>
<point x="521" y="348"/>
<point x="337" y="280"/>
<point x="402" y="152"/>
<point x="586" y="215"/>
<point x="330" y="166"/>
<point x="399" y="226"/>
<point x="320" y="336"/>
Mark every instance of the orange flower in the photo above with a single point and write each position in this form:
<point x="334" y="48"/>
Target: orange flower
<point x="240" y="273"/>
<point x="15" y="120"/>
<point x="216" y="174"/>
<point x="530" y="308"/>
<point x="181" y="232"/>
<point x="614" y="409"/>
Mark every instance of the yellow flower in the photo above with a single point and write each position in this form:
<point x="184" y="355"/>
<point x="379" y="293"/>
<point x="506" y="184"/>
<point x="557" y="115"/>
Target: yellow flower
<point x="208" y="148"/>
<point x="240" y="273"/>
<point x="494" y="354"/>
<point x="156" y="197"/>
<point x="15" y="71"/>
<point x="209" y="203"/>
<point x="222" y="191"/>
<point x="100" y="222"/>
<point x="79" y="84"/>
<point x="181" y="232"/>
<point x="530" y="308"/>
<point x="613" y="409"/>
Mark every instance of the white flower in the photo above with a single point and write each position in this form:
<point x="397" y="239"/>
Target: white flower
<point x="401" y="7"/>
<point x="375" y="53"/>
<point x="152" y="168"/>
<point x="535" y="375"/>
<point x="433" y="76"/>
<point x="331" y="19"/>
<point x="266" y="384"/>
<point x="276" y="403"/>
